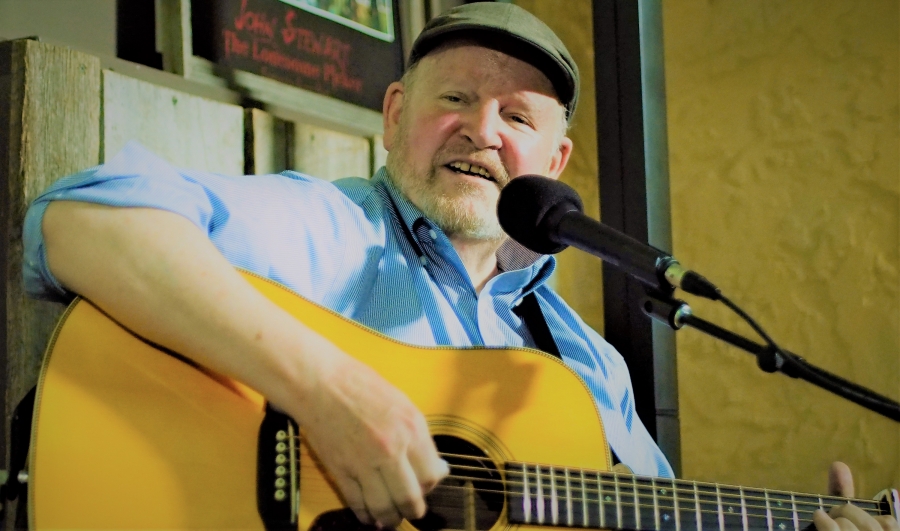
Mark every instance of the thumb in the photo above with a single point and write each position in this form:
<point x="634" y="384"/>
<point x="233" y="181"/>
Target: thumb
<point x="840" y="480"/>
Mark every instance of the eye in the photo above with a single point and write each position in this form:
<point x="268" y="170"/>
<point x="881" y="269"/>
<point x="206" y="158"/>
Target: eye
<point x="520" y="119"/>
<point x="453" y="98"/>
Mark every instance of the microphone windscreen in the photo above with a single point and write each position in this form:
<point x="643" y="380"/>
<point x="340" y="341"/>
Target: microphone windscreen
<point x="530" y="207"/>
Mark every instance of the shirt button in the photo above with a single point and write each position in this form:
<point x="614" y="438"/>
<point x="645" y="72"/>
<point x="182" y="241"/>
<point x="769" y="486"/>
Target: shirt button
<point x="432" y="234"/>
<point x="423" y="260"/>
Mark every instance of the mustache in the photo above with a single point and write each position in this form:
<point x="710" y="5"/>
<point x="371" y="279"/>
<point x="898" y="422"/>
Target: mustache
<point x="487" y="159"/>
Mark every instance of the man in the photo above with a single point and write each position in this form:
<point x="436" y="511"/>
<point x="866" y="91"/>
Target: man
<point x="416" y="253"/>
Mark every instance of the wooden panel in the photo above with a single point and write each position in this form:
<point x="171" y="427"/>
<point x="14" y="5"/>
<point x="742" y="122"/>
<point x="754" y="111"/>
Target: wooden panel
<point x="289" y="102"/>
<point x="328" y="154"/>
<point x="265" y="148"/>
<point x="49" y="127"/>
<point x="188" y="131"/>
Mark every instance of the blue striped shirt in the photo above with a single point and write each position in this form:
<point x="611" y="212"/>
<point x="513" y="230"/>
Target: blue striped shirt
<point x="359" y="247"/>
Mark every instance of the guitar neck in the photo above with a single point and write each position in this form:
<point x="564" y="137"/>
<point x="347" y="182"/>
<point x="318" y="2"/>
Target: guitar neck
<point x="556" y="496"/>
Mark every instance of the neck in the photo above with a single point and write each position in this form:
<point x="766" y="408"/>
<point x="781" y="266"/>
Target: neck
<point x="479" y="258"/>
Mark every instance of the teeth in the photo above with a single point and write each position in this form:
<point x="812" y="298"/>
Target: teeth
<point x="471" y="168"/>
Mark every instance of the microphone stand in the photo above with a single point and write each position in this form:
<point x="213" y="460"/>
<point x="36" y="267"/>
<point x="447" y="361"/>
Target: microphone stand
<point x="677" y="314"/>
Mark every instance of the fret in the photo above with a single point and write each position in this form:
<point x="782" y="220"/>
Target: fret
<point x="698" y="515"/>
<point x="644" y="503"/>
<point x="688" y="509"/>
<point x="768" y="511"/>
<point x="731" y="515"/>
<point x="804" y="505"/>
<point x="666" y="505"/>
<point x="729" y="508"/>
<point x="554" y="499"/>
<point x="539" y="498"/>
<point x="744" y="522"/>
<point x="526" y="499"/>
<point x="585" y="513"/>
<point x="675" y="509"/>
<point x="518" y="493"/>
<point x="794" y="513"/>
<point x="756" y="509"/>
<point x="710" y="509"/>
<point x="607" y="501"/>
<point x="569" y="519"/>
<point x="655" y="504"/>
<point x="620" y="515"/>
<point x="781" y="507"/>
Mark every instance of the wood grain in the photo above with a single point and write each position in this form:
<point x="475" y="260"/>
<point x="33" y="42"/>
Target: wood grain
<point x="265" y="143"/>
<point x="328" y="154"/>
<point x="49" y="127"/>
<point x="188" y="131"/>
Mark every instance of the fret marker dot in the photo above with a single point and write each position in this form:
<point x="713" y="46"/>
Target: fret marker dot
<point x="782" y="526"/>
<point x="780" y="504"/>
<point x="662" y="491"/>
<point x="665" y="517"/>
<point x="730" y="509"/>
<point x="608" y="498"/>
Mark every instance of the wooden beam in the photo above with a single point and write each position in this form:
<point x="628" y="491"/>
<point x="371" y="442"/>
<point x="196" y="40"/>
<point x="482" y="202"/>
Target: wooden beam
<point x="174" y="39"/>
<point x="49" y="128"/>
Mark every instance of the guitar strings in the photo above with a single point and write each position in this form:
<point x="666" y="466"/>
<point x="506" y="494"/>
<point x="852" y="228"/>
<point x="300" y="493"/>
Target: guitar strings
<point x="609" y="480"/>
<point x="624" y="501"/>
<point x="439" y="499"/>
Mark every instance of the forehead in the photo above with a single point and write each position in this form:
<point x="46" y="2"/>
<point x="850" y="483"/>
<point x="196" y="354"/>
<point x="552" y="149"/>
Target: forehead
<point x="464" y="63"/>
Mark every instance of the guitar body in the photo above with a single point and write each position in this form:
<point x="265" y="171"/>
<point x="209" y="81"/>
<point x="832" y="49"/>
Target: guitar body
<point x="128" y="436"/>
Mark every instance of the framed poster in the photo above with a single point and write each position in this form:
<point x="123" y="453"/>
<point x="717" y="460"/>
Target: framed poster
<point x="347" y="49"/>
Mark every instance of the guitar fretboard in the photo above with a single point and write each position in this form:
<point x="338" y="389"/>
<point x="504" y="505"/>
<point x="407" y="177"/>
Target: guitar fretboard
<point x="543" y="495"/>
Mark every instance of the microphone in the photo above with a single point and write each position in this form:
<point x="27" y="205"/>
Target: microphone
<point x="547" y="216"/>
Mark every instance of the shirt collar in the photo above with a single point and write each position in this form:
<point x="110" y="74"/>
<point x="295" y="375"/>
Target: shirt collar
<point x="511" y="256"/>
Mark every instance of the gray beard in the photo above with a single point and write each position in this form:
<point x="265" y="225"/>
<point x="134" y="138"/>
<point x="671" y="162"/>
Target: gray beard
<point x="450" y="212"/>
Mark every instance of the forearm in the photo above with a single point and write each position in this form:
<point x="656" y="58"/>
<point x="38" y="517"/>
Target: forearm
<point x="160" y="276"/>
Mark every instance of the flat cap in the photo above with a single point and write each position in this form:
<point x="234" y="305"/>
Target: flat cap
<point x="511" y="30"/>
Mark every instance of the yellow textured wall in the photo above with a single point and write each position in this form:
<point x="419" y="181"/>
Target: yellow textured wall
<point x="578" y="278"/>
<point x="783" y="140"/>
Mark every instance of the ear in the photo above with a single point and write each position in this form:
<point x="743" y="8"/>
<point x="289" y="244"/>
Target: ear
<point x="560" y="158"/>
<point x="391" y="110"/>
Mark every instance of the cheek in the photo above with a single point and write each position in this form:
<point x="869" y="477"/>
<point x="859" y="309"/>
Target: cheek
<point x="529" y="157"/>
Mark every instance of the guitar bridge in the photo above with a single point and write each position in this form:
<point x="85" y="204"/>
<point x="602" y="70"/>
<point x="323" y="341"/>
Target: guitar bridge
<point x="278" y="471"/>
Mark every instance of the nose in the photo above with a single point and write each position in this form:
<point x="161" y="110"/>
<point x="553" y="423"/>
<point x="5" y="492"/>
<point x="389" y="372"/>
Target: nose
<point x="481" y="125"/>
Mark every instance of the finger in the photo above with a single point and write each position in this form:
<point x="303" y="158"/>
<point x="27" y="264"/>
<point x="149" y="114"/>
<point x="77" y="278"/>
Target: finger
<point x="427" y="465"/>
<point x="404" y="489"/>
<point x="351" y="490"/>
<point x="888" y="523"/>
<point x="840" y="480"/>
<point x="823" y="522"/>
<point x="856" y="516"/>
<point x="378" y="500"/>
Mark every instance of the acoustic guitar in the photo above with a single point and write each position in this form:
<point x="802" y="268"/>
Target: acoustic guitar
<point x="130" y="436"/>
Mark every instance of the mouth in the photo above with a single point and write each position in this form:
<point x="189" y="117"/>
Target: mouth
<point x="474" y="170"/>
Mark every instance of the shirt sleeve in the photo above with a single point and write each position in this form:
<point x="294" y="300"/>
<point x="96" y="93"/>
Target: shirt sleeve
<point x="133" y="178"/>
<point x="291" y="228"/>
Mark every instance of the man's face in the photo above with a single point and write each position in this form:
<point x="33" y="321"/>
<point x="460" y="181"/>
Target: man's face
<point x="473" y="119"/>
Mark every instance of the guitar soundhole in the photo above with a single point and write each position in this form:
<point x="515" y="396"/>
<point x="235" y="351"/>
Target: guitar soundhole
<point x="471" y="497"/>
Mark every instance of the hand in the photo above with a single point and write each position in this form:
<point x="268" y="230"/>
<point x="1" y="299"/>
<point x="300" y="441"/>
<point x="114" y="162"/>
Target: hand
<point x="848" y="517"/>
<point x="373" y="441"/>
